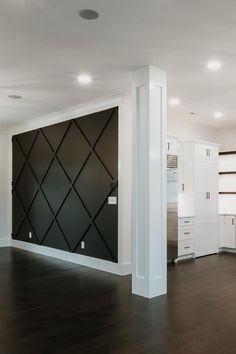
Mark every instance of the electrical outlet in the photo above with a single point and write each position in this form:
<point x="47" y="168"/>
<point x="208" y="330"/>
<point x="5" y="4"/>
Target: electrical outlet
<point x="112" y="200"/>
<point x="82" y="244"/>
<point x="30" y="234"/>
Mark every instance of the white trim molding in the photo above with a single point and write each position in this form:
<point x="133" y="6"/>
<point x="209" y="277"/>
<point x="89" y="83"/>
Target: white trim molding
<point x="5" y="242"/>
<point x="149" y="246"/>
<point x="67" y="114"/>
<point x="227" y="250"/>
<point x="99" y="264"/>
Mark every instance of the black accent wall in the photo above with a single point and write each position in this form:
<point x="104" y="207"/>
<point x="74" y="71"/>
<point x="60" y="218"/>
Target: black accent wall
<point x="63" y="175"/>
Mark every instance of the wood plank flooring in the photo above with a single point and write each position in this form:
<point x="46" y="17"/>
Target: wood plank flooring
<point x="50" y="306"/>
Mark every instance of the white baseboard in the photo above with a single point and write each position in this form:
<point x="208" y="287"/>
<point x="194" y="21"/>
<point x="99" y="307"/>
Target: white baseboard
<point x="126" y="268"/>
<point x="99" y="264"/>
<point x="5" y="242"/>
<point x="186" y="257"/>
<point x="228" y="250"/>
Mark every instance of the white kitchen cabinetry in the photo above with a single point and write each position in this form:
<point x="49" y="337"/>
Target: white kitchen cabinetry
<point x="172" y="145"/>
<point x="185" y="237"/>
<point x="181" y="181"/>
<point x="227" y="235"/>
<point x="201" y="194"/>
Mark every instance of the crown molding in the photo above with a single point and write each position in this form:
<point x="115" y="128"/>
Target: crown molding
<point x="67" y="114"/>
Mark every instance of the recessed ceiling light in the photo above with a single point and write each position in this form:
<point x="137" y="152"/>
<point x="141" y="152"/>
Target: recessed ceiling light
<point x="15" y="97"/>
<point x="218" y="115"/>
<point x="89" y="14"/>
<point x="214" y="65"/>
<point x="174" y="101"/>
<point x="84" y="79"/>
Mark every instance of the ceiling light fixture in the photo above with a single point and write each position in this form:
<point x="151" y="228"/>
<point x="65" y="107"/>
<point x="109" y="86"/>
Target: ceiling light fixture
<point x="174" y="101"/>
<point x="15" y="97"/>
<point x="214" y="65"/>
<point x="218" y="115"/>
<point x="84" y="79"/>
<point x="88" y="14"/>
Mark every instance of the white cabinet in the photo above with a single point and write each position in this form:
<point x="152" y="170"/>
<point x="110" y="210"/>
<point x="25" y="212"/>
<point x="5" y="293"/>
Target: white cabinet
<point x="221" y="231"/>
<point x="181" y="180"/>
<point x="229" y="232"/>
<point x="185" y="248"/>
<point x="201" y="194"/>
<point x="172" y="146"/>
<point x="206" y="152"/>
<point x="186" y="221"/>
<point x="185" y="237"/>
<point x="227" y="237"/>
<point x="206" y="205"/>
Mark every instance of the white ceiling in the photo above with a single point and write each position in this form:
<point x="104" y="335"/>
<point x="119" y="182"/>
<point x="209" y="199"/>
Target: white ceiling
<point x="45" y="44"/>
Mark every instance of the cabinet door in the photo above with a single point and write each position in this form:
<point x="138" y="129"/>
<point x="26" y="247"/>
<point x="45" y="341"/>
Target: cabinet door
<point x="206" y="152"/>
<point x="172" y="146"/>
<point x="206" y="191"/>
<point x="211" y="207"/>
<point x="212" y="237"/>
<point x="206" y="239"/>
<point x="200" y="191"/>
<point x="206" y="206"/>
<point x="181" y="181"/>
<point x="229" y="234"/>
<point x="221" y="231"/>
<point x="211" y="176"/>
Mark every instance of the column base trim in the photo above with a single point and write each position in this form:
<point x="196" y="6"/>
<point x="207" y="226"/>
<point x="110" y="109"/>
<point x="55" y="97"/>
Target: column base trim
<point x="5" y="242"/>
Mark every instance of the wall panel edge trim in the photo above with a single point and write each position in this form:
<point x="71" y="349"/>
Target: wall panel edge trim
<point x="98" y="264"/>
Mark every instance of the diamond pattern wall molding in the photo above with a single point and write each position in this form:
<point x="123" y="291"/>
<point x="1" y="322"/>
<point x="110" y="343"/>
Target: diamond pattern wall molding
<point x="62" y="177"/>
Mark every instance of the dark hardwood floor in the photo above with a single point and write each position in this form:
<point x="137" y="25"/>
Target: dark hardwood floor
<point x="50" y="306"/>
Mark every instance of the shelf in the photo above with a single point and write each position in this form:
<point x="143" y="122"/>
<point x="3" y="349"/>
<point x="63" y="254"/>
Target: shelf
<point x="227" y="192"/>
<point x="228" y="173"/>
<point x="227" y="153"/>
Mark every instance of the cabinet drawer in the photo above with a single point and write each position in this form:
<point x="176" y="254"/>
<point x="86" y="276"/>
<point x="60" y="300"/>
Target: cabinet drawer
<point x="186" y="233"/>
<point x="185" y="247"/>
<point x="185" y="221"/>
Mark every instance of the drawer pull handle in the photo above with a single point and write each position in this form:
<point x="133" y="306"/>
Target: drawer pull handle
<point x="186" y="222"/>
<point x="187" y="233"/>
<point x="186" y="247"/>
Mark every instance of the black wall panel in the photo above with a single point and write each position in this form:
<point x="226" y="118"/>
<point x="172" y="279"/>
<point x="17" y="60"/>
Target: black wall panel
<point x="63" y="175"/>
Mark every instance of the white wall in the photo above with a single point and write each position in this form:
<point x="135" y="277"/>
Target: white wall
<point x="124" y="198"/>
<point x="226" y="137"/>
<point x="186" y="130"/>
<point x="5" y="189"/>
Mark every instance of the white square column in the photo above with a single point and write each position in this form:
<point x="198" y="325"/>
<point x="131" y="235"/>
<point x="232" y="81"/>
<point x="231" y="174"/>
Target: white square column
<point x="149" y="241"/>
